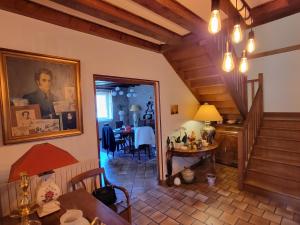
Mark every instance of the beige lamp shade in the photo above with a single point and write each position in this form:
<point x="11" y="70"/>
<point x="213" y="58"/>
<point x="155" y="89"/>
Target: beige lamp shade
<point x="208" y="112"/>
<point x="134" y="108"/>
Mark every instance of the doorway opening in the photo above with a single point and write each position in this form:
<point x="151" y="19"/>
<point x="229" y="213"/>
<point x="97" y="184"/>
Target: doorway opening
<point x="128" y="131"/>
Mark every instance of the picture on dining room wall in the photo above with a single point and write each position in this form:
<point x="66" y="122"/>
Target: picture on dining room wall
<point x="174" y="109"/>
<point x="40" y="96"/>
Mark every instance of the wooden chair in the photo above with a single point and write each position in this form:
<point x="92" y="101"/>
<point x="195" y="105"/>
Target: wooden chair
<point x="98" y="178"/>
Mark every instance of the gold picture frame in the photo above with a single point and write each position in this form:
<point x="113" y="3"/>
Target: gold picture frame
<point x="40" y="96"/>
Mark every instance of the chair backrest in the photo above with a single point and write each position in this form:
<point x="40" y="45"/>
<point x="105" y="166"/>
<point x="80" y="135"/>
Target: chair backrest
<point x="95" y="176"/>
<point x="119" y="124"/>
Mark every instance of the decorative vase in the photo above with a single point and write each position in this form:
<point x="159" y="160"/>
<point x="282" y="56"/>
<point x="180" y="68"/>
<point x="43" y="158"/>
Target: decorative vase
<point x="211" y="179"/>
<point x="188" y="175"/>
<point x="177" y="181"/>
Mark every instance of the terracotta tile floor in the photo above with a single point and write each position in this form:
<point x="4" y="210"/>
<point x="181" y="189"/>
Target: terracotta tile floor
<point x="137" y="176"/>
<point x="199" y="204"/>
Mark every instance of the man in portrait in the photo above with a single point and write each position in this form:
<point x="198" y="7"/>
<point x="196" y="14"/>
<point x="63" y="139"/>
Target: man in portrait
<point x="42" y="95"/>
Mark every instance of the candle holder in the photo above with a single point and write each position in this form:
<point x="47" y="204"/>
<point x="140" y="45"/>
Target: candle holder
<point x="25" y="207"/>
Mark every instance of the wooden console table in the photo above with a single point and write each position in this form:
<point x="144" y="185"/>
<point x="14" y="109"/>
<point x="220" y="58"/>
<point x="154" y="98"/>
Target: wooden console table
<point x="211" y="149"/>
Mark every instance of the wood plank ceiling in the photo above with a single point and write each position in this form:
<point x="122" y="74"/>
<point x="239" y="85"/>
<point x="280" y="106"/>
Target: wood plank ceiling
<point x="176" y="28"/>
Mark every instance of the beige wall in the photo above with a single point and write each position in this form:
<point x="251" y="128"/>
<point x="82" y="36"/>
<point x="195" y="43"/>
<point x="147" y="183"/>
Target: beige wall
<point x="281" y="71"/>
<point x="97" y="56"/>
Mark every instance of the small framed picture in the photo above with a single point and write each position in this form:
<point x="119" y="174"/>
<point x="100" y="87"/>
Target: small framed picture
<point x="174" y="109"/>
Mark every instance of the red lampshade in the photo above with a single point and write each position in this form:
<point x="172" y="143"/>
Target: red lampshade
<point x="40" y="159"/>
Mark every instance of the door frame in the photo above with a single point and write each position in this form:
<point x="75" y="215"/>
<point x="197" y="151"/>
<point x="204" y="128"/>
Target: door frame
<point x="158" y="135"/>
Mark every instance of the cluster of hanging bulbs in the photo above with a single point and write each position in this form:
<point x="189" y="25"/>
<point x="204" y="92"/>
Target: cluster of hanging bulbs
<point x="214" y="27"/>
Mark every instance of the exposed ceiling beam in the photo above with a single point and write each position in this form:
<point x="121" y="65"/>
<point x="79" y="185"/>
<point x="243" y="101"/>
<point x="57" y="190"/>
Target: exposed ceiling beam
<point x="232" y="13"/>
<point x="274" y="10"/>
<point x="121" y="17"/>
<point x="178" y="14"/>
<point x="40" y="12"/>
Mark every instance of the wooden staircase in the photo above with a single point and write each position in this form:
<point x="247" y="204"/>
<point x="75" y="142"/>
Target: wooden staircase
<point x="268" y="144"/>
<point x="274" y="166"/>
<point x="194" y="64"/>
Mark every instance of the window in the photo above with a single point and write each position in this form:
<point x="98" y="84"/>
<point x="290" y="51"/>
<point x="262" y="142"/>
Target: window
<point x="104" y="105"/>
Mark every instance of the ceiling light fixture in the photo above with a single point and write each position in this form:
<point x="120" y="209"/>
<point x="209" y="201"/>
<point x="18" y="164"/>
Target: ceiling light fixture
<point x="243" y="68"/>
<point x="251" y="42"/>
<point x="237" y="34"/>
<point x="214" y="25"/>
<point x="228" y="64"/>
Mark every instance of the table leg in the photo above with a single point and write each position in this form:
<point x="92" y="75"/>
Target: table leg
<point x="213" y="161"/>
<point x="169" y="168"/>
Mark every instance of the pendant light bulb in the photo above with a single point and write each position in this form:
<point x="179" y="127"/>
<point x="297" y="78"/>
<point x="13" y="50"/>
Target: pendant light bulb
<point x="251" y="42"/>
<point x="228" y="63"/>
<point x="243" y="67"/>
<point x="237" y="34"/>
<point x="214" y="25"/>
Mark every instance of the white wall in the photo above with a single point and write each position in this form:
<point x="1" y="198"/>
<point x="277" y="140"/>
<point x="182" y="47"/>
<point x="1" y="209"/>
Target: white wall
<point x="281" y="81"/>
<point x="97" y="56"/>
<point x="281" y="71"/>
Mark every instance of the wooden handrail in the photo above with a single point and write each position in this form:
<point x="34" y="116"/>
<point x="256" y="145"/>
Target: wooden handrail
<point x="247" y="137"/>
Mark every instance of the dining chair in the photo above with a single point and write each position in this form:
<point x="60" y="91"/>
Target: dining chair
<point x="144" y="138"/>
<point x="96" y="178"/>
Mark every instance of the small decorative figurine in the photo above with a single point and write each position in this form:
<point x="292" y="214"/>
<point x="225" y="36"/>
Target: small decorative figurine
<point x="192" y="137"/>
<point x="168" y="142"/>
<point x="177" y="140"/>
<point x="184" y="138"/>
<point x="172" y="145"/>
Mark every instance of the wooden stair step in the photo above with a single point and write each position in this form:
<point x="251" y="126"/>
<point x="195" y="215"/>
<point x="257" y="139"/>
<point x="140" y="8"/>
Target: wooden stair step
<point x="199" y="76"/>
<point x="282" y="116"/>
<point x="280" y="132"/>
<point x="273" y="153"/>
<point x="222" y="104"/>
<point x="279" y="142"/>
<point x="224" y="97"/>
<point x="284" y="187"/>
<point x="271" y="148"/>
<point x="279" y="161"/>
<point x="211" y="89"/>
<point x="276" y="169"/>
<point x="205" y="81"/>
<point x="191" y="64"/>
<point x="228" y="110"/>
<point x="284" y="124"/>
<point x="185" y="52"/>
<point x="205" y="71"/>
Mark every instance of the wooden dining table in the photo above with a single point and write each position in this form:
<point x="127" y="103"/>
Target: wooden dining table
<point x="79" y="199"/>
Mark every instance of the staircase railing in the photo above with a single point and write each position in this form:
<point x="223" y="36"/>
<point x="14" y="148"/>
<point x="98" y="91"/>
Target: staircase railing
<point x="247" y="137"/>
<point x="235" y="82"/>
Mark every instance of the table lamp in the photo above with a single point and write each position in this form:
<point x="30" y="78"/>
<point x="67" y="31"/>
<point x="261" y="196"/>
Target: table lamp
<point x="208" y="113"/>
<point x="135" y="109"/>
<point x="41" y="160"/>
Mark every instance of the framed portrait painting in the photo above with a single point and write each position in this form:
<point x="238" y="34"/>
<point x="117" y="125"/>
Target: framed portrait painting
<point x="40" y="96"/>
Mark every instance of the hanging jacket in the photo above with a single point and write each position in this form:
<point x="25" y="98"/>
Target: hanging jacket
<point x="108" y="138"/>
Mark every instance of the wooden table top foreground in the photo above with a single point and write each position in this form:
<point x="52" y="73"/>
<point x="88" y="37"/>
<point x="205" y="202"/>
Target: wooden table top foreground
<point x="79" y="199"/>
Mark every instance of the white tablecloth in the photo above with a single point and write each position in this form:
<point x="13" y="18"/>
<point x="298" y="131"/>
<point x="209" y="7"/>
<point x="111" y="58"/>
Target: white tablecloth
<point x="143" y="136"/>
